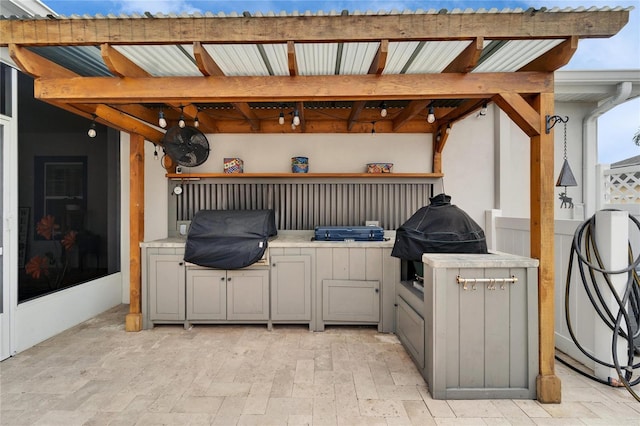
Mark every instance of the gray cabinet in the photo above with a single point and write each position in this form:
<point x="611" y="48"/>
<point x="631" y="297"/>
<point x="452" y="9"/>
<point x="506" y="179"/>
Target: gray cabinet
<point x="206" y="294"/>
<point x="166" y="287"/>
<point x="291" y="288"/>
<point x="410" y="323"/>
<point x="478" y="314"/>
<point x="355" y="285"/>
<point x="351" y="301"/>
<point x="214" y="295"/>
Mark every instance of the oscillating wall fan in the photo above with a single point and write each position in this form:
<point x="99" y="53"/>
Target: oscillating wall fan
<point x="186" y="146"/>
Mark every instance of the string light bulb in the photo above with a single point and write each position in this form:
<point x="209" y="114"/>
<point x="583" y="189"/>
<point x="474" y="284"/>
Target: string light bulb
<point x="448" y="129"/>
<point x="162" y="122"/>
<point x="483" y="110"/>
<point x="92" y="128"/>
<point x="431" y="117"/>
<point x="196" y="122"/>
<point x="281" y="118"/>
<point x="181" y="122"/>
<point x="383" y="110"/>
<point x="155" y="151"/>
<point x="296" y="118"/>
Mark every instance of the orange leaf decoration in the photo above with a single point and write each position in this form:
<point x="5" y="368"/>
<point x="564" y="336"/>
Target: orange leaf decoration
<point x="37" y="266"/>
<point x="47" y="226"/>
<point x="69" y="240"/>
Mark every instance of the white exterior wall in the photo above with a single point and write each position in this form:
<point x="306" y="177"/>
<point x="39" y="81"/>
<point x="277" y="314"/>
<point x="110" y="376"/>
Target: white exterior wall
<point x="514" y="165"/>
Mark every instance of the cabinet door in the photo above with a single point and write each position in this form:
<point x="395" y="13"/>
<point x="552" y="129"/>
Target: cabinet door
<point x="166" y="287"/>
<point x="206" y="294"/>
<point x="410" y="330"/>
<point x="248" y="294"/>
<point x="351" y="301"/>
<point x="291" y="288"/>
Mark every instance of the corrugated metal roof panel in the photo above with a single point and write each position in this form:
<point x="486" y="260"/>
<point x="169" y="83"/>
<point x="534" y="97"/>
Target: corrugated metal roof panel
<point x="357" y="57"/>
<point x="83" y="60"/>
<point x="435" y="56"/>
<point x="162" y="60"/>
<point x="242" y="59"/>
<point x="515" y="54"/>
<point x="283" y="13"/>
<point x="277" y="56"/>
<point x="398" y="56"/>
<point x="316" y="58"/>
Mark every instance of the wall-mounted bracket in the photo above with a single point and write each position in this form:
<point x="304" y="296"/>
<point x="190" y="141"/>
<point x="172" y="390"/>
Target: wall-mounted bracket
<point x="552" y="120"/>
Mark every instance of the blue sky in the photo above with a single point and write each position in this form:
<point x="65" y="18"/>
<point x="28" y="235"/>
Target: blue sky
<point x="615" y="129"/>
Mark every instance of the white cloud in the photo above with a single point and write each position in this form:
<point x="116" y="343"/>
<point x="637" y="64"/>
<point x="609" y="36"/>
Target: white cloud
<point x="156" y="6"/>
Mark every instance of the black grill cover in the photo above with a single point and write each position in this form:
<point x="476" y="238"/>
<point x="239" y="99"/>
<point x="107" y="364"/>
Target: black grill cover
<point x="229" y="239"/>
<point x="439" y="227"/>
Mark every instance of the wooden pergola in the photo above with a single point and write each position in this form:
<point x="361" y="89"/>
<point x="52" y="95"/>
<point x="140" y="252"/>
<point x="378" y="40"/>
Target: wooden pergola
<point x="129" y="95"/>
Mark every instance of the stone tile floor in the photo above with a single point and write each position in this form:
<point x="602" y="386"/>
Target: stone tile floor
<point x="97" y="374"/>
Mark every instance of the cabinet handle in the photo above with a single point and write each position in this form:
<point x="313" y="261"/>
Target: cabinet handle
<point x="377" y="290"/>
<point x="273" y="264"/>
<point x="221" y="278"/>
<point x="229" y="279"/>
<point x="181" y="263"/>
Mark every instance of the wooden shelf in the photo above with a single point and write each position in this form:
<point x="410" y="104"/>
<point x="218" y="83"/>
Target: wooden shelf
<point x="305" y="175"/>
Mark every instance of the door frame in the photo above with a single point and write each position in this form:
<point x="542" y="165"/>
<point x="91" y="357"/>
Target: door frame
<point x="9" y="223"/>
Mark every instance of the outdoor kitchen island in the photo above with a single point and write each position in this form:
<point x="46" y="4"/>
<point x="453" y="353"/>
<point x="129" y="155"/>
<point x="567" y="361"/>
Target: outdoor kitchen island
<point x="299" y="281"/>
<point x="473" y="330"/>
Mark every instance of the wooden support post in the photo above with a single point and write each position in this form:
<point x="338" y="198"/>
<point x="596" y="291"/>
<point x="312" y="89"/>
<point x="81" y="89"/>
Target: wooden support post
<point x="542" y="248"/>
<point x="133" y="320"/>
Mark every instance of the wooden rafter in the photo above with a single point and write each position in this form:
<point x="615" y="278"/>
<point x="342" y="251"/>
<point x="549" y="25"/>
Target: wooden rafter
<point x="463" y="110"/>
<point x="468" y="58"/>
<point x="209" y="67"/>
<point x="352" y="28"/>
<point x="188" y="90"/>
<point x="377" y="66"/>
<point x="292" y="63"/>
<point x="555" y="58"/>
<point x="414" y="108"/>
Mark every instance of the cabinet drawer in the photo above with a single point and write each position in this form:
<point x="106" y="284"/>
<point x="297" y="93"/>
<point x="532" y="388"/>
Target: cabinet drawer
<point x="351" y="301"/>
<point x="410" y="330"/>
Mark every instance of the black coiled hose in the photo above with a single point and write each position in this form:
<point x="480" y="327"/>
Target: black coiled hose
<point x="585" y="250"/>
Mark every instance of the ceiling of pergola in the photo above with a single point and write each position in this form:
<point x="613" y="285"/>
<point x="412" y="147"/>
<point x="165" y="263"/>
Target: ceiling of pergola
<point x="237" y="73"/>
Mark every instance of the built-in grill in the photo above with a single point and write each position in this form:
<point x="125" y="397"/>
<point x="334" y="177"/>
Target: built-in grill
<point x="440" y="227"/>
<point x="229" y="239"/>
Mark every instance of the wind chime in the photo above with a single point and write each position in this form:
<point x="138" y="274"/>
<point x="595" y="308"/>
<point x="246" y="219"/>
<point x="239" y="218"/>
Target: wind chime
<point x="566" y="177"/>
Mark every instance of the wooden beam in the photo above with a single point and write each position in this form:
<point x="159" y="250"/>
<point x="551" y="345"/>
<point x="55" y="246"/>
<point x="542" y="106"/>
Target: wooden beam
<point x="380" y="59"/>
<point x="519" y="110"/>
<point x="124" y="121"/>
<point x="555" y="58"/>
<point x="119" y="64"/>
<point x="344" y="28"/>
<point x="356" y="110"/>
<point x="204" y="61"/>
<point x="303" y="122"/>
<point x="133" y="320"/>
<point x="542" y="248"/>
<point x="440" y="140"/>
<point x="323" y="126"/>
<point x="468" y="59"/>
<point x="36" y="66"/>
<point x="410" y="111"/>
<point x="376" y="67"/>
<point x="291" y="59"/>
<point x="112" y="90"/>
<point x="463" y="110"/>
<point x="248" y="114"/>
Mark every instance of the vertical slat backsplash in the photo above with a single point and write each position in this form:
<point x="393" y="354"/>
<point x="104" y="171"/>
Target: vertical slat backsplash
<point x="304" y="205"/>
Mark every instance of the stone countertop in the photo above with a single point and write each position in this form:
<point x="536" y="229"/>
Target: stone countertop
<point x="288" y="239"/>
<point x="490" y="260"/>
